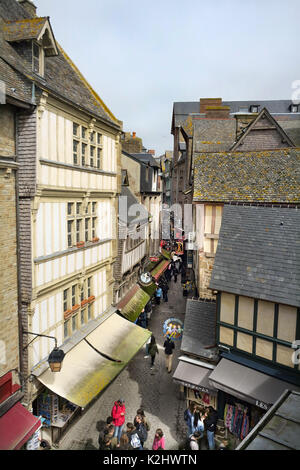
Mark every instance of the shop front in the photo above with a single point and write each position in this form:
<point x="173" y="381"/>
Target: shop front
<point x="17" y="427"/>
<point x="244" y="396"/>
<point x="193" y="377"/>
<point x="88" y="368"/>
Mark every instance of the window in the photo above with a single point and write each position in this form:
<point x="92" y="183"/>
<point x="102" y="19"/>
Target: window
<point x="125" y="181"/>
<point x="78" y="306"/>
<point x="37" y="59"/>
<point x="75" y="152"/>
<point x="294" y="108"/>
<point x="80" y="225"/>
<point x="92" y="156"/>
<point x="90" y="145"/>
<point x="254" y="108"/>
<point x="99" y="157"/>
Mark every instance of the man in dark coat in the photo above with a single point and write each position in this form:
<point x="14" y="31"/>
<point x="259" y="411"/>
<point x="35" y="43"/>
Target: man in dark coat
<point x="169" y="346"/>
<point x="211" y="426"/>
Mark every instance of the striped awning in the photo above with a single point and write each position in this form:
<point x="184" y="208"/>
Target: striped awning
<point x="133" y="303"/>
<point x="93" y="363"/>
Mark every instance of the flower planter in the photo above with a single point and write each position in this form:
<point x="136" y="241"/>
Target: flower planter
<point x="96" y="239"/>
<point x="84" y="302"/>
<point x="67" y="314"/>
<point x="91" y="299"/>
<point x="76" y="307"/>
<point x="80" y="244"/>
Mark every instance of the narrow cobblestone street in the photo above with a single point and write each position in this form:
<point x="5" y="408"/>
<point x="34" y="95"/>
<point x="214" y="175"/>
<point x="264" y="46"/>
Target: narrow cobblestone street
<point x="153" y="390"/>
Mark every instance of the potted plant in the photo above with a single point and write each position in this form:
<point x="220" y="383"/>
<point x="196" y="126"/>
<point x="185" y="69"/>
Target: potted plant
<point x="95" y="239"/>
<point x="80" y="244"/>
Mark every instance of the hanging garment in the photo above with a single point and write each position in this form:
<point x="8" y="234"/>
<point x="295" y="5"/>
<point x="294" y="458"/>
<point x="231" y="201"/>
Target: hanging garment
<point x="245" y="426"/>
<point x="228" y="416"/>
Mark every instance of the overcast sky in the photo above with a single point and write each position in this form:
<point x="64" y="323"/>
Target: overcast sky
<point x="143" y="55"/>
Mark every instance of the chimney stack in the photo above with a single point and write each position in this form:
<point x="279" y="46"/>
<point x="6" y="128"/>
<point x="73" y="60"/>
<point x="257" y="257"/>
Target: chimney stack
<point x="209" y="102"/>
<point x="217" y="112"/>
<point x="133" y="135"/>
<point x="151" y="151"/>
<point x="29" y="7"/>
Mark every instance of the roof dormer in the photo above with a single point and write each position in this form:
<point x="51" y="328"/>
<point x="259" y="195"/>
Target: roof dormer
<point x="34" y="37"/>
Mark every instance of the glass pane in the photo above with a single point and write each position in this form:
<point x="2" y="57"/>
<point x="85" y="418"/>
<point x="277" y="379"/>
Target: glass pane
<point x="78" y="207"/>
<point x="36" y="51"/>
<point x="89" y="312"/>
<point x="82" y="317"/>
<point x="94" y="207"/>
<point x="66" y="329"/>
<point x="83" y="132"/>
<point x="70" y="208"/>
<point x="99" y="139"/>
<point x="92" y="136"/>
<point x="74" y="323"/>
<point x="75" y="128"/>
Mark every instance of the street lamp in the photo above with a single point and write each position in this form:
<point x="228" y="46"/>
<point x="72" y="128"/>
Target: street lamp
<point x="56" y="356"/>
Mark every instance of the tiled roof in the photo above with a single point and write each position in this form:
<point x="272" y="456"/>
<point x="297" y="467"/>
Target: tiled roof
<point x="262" y="176"/>
<point x="199" y="334"/>
<point x="258" y="254"/>
<point x="62" y="78"/>
<point x="23" y="29"/>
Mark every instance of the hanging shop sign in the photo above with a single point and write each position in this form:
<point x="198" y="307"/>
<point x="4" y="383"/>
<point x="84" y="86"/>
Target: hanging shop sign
<point x="146" y="278"/>
<point x="154" y="258"/>
<point x="173" y="328"/>
<point x="179" y="248"/>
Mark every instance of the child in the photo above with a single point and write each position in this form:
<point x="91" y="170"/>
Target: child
<point x="159" y="440"/>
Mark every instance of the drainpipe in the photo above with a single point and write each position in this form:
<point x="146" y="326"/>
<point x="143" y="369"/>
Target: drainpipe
<point x="21" y="362"/>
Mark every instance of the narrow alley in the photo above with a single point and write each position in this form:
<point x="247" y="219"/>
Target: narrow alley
<point x="152" y="390"/>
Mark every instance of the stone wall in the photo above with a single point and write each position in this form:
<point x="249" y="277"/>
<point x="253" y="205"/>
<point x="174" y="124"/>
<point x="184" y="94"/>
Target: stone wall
<point x="205" y="269"/>
<point x="9" y="337"/>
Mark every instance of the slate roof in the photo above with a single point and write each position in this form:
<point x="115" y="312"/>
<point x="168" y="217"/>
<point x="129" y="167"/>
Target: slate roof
<point x="273" y="106"/>
<point x="62" y="78"/>
<point x="131" y="200"/>
<point x="263" y="176"/>
<point x="279" y="429"/>
<point x="258" y="254"/>
<point x="23" y="29"/>
<point x="147" y="158"/>
<point x="199" y="333"/>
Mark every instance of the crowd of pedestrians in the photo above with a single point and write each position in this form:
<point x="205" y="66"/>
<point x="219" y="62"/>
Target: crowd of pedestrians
<point x="200" y="422"/>
<point x="115" y="436"/>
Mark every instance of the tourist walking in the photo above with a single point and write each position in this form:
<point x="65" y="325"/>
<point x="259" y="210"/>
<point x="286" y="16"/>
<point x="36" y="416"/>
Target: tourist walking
<point x="158" y="295"/>
<point x="169" y="346"/>
<point x="211" y="425"/>
<point x="153" y="350"/>
<point x="118" y="413"/>
<point x="165" y="289"/>
<point x="159" y="440"/>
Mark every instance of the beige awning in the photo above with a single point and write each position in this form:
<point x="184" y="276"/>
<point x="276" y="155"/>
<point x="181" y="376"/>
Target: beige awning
<point x="85" y="372"/>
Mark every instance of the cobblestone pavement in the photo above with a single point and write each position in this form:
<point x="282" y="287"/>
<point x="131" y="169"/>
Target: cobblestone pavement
<point x="153" y="390"/>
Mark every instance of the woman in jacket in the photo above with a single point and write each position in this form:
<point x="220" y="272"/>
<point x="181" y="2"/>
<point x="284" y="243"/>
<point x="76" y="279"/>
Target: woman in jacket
<point x="118" y="413"/>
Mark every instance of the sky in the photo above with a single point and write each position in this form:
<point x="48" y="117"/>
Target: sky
<point x="141" y="56"/>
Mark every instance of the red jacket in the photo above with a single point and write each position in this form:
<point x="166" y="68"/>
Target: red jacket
<point x="118" y="420"/>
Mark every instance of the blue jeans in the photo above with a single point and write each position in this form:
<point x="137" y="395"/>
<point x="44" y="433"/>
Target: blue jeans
<point x="211" y="440"/>
<point x="118" y="432"/>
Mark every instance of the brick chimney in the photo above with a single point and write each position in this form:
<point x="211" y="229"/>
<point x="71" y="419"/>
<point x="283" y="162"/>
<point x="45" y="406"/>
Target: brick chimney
<point x="151" y="151"/>
<point x="133" y="135"/>
<point x="217" y="112"/>
<point x="209" y="102"/>
<point x="29" y="7"/>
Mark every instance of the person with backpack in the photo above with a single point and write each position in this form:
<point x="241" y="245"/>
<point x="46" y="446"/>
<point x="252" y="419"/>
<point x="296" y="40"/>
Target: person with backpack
<point x="140" y="429"/>
<point x="194" y="441"/>
<point x="153" y="350"/>
<point x="189" y="416"/>
<point x="134" y="442"/>
<point x="146" y="423"/>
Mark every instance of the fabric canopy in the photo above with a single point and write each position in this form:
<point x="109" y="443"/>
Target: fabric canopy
<point x="133" y="303"/>
<point x="160" y="269"/>
<point x="93" y="363"/>
<point x="194" y="376"/>
<point x="248" y="384"/>
<point x="16" y="427"/>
